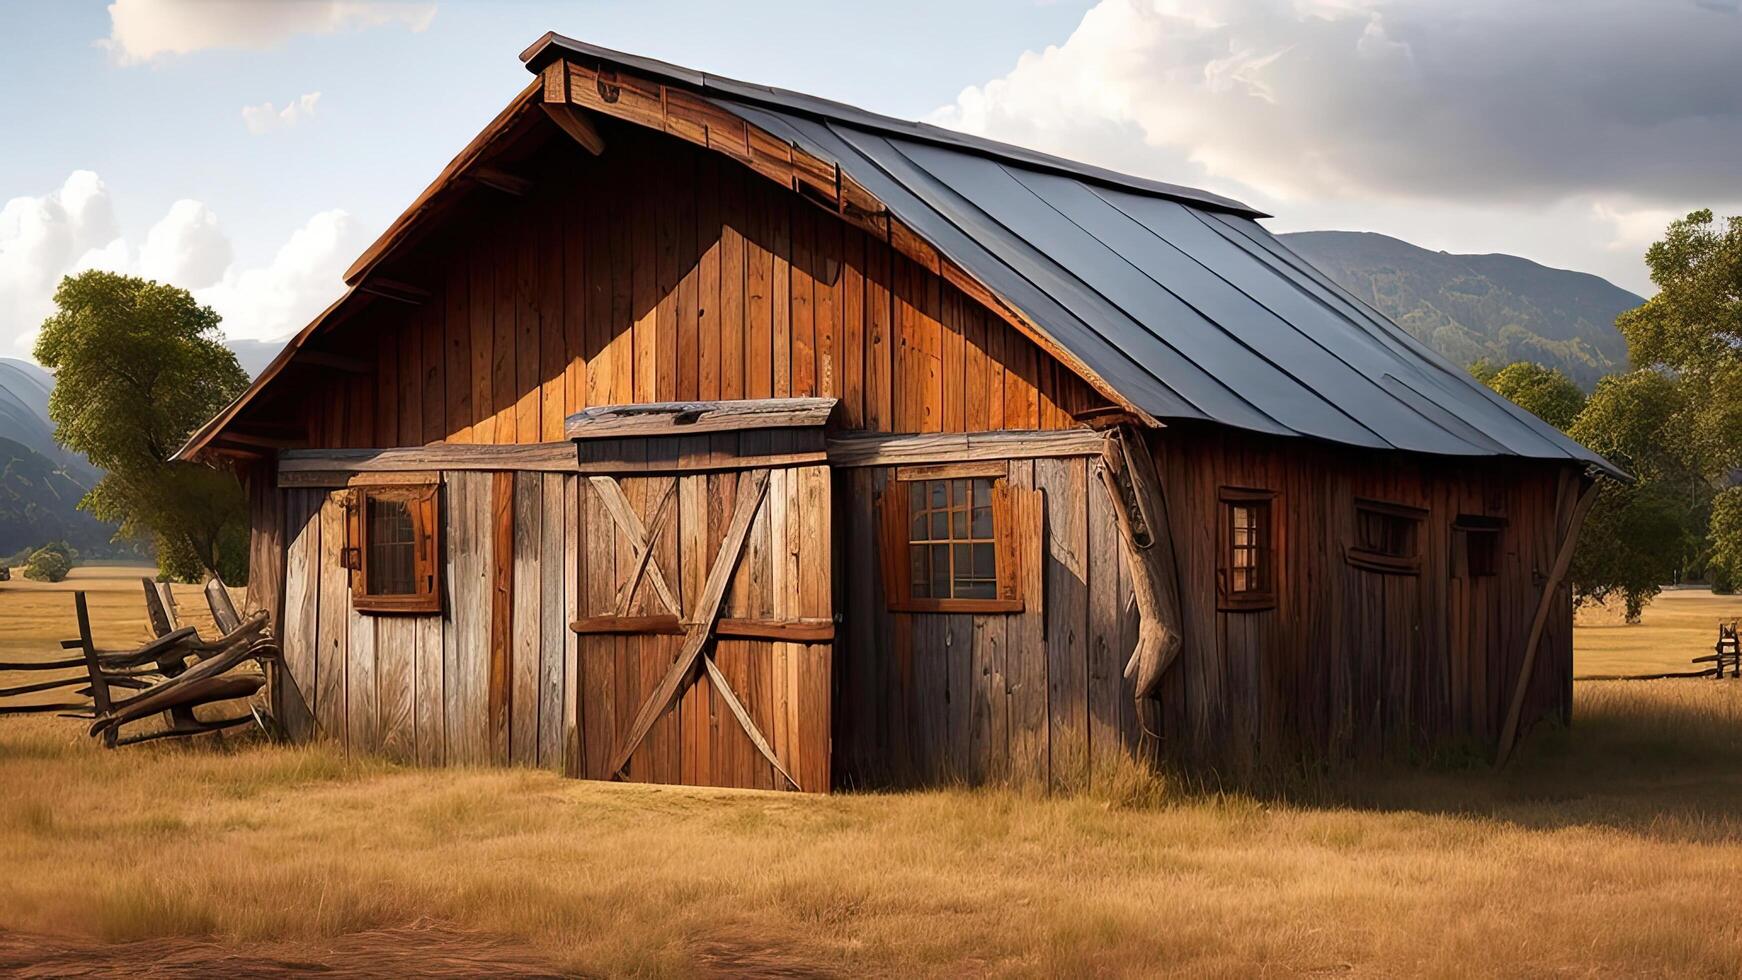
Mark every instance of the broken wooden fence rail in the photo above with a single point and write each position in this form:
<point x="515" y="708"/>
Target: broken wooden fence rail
<point x="172" y="674"/>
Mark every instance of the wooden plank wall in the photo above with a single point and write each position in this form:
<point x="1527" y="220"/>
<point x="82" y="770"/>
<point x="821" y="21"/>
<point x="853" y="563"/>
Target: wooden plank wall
<point x="1034" y="696"/>
<point x="500" y="679"/>
<point x="1349" y="663"/>
<point x="660" y="271"/>
<point x="421" y="688"/>
<point x="1352" y="662"/>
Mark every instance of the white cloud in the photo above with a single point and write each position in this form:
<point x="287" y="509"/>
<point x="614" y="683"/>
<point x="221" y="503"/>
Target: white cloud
<point x="266" y="117"/>
<point x="186" y="248"/>
<point x="276" y="299"/>
<point x="73" y="229"/>
<point x="41" y="238"/>
<point x="1357" y="107"/>
<point x="140" y="30"/>
<point x="1489" y="99"/>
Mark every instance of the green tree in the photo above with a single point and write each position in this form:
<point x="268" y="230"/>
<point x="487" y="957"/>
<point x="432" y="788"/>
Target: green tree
<point x="1692" y="328"/>
<point x="1542" y="391"/>
<point x="1725" y="561"/>
<point x="138" y="366"/>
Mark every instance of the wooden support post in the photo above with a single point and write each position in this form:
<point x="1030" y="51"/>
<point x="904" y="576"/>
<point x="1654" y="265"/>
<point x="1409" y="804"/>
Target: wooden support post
<point x="1563" y="561"/>
<point x="87" y="646"/>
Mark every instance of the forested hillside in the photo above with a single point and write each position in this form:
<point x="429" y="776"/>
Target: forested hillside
<point x="1468" y="307"/>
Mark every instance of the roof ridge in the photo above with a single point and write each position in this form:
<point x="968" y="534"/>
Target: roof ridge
<point x="546" y="48"/>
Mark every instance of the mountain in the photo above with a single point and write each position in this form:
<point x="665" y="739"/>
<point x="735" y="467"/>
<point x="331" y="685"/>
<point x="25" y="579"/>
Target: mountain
<point x="1501" y="307"/>
<point x="40" y="481"/>
<point x="39" y="503"/>
<point x="24" y="390"/>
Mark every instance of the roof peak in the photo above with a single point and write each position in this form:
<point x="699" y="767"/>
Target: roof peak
<point x="553" y="45"/>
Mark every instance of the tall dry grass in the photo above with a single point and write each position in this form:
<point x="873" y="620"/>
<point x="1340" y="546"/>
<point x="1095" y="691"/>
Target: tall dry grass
<point x="1613" y="847"/>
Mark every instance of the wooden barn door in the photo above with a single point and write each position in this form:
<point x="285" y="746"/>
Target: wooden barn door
<point x="706" y="627"/>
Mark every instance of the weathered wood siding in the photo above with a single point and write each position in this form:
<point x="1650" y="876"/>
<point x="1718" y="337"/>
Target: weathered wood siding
<point x="1352" y="661"/>
<point x="1349" y="663"/>
<point x="660" y="271"/>
<point x="500" y="678"/>
<point x="423" y="688"/>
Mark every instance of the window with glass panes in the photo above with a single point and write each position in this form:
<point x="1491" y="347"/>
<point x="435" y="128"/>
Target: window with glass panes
<point x="947" y="543"/>
<point x="392" y="549"/>
<point x="1247" y="568"/>
<point x="951" y="550"/>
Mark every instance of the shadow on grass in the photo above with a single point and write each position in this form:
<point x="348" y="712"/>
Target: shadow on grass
<point x="1658" y="758"/>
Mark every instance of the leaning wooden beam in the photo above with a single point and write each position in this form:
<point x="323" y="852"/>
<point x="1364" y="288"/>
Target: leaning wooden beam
<point x="724" y="690"/>
<point x="695" y="418"/>
<point x="1563" y="561"/>
<point x="750" y="493"/>
<point x="575" y="123"/>
<point x="961" y="447"/>
<point x="1140" y="509"/>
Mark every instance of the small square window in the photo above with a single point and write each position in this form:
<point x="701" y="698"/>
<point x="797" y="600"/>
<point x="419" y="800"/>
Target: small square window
<point x="392" y="551"/>
<point x="947" y="540"/>
<point x="1246" y="572"/>
<point x="1477" y="545"/>
<point x="1387" y="537"/>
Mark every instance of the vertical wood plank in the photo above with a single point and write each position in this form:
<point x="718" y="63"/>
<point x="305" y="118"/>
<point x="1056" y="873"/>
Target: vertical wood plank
<point x="430" y="704"/>
<point x="501" y="614"/>
<point x="396" y="662"/>
<point x="334" y="624"/>
<point x="554" y="617"/>
<point x="296" y="684"/>
<point x="574" y="549"/>
<point x="1026" y="653"/>
<point x="527" y="600"/>
<point x="1065" y="483"/>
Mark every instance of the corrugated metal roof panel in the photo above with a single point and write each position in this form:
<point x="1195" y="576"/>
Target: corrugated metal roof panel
<point x="1174" y="297"/>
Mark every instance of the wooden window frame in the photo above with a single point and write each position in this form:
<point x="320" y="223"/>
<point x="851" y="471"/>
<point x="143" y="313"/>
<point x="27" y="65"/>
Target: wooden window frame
<point x="1008" y="553"/>
<point x="1249" y="600"/>
<point x="1464" y="529"/>
<point x="1386" y="563"/>
<point x="423" y="497"/>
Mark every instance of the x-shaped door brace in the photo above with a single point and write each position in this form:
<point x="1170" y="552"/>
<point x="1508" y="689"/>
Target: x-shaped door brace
<point x="752" y="487"/>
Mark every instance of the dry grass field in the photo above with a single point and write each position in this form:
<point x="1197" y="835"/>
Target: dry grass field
<point x="1611" y="848"/>
<point x="1679" y="625"/>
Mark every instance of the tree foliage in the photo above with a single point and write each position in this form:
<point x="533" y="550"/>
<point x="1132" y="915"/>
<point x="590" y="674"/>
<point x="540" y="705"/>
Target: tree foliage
<point x="1673" y="423"/>
<point x="1725" y="561"/>
<point x="138" y="367"/>
<point x="1692" y="329"/>
<point x="1543" y="391"/>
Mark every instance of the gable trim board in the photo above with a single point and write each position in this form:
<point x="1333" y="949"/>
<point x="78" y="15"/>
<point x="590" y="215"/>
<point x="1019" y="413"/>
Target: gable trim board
<point x="1172" y="302"/>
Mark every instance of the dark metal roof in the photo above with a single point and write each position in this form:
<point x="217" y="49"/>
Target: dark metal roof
<point x="1177" y="298"/>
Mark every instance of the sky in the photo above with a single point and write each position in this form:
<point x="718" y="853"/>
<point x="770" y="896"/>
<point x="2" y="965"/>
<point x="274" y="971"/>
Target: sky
<point x="248" y="150"/>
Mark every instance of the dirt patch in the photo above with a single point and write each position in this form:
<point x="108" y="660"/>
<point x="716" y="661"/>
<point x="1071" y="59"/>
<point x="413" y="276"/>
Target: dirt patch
<point x="735" y="953"/>
<point x="422" y="949"/>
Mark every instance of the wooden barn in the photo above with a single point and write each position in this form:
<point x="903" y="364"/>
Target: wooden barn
<point x="688" y="430"/>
